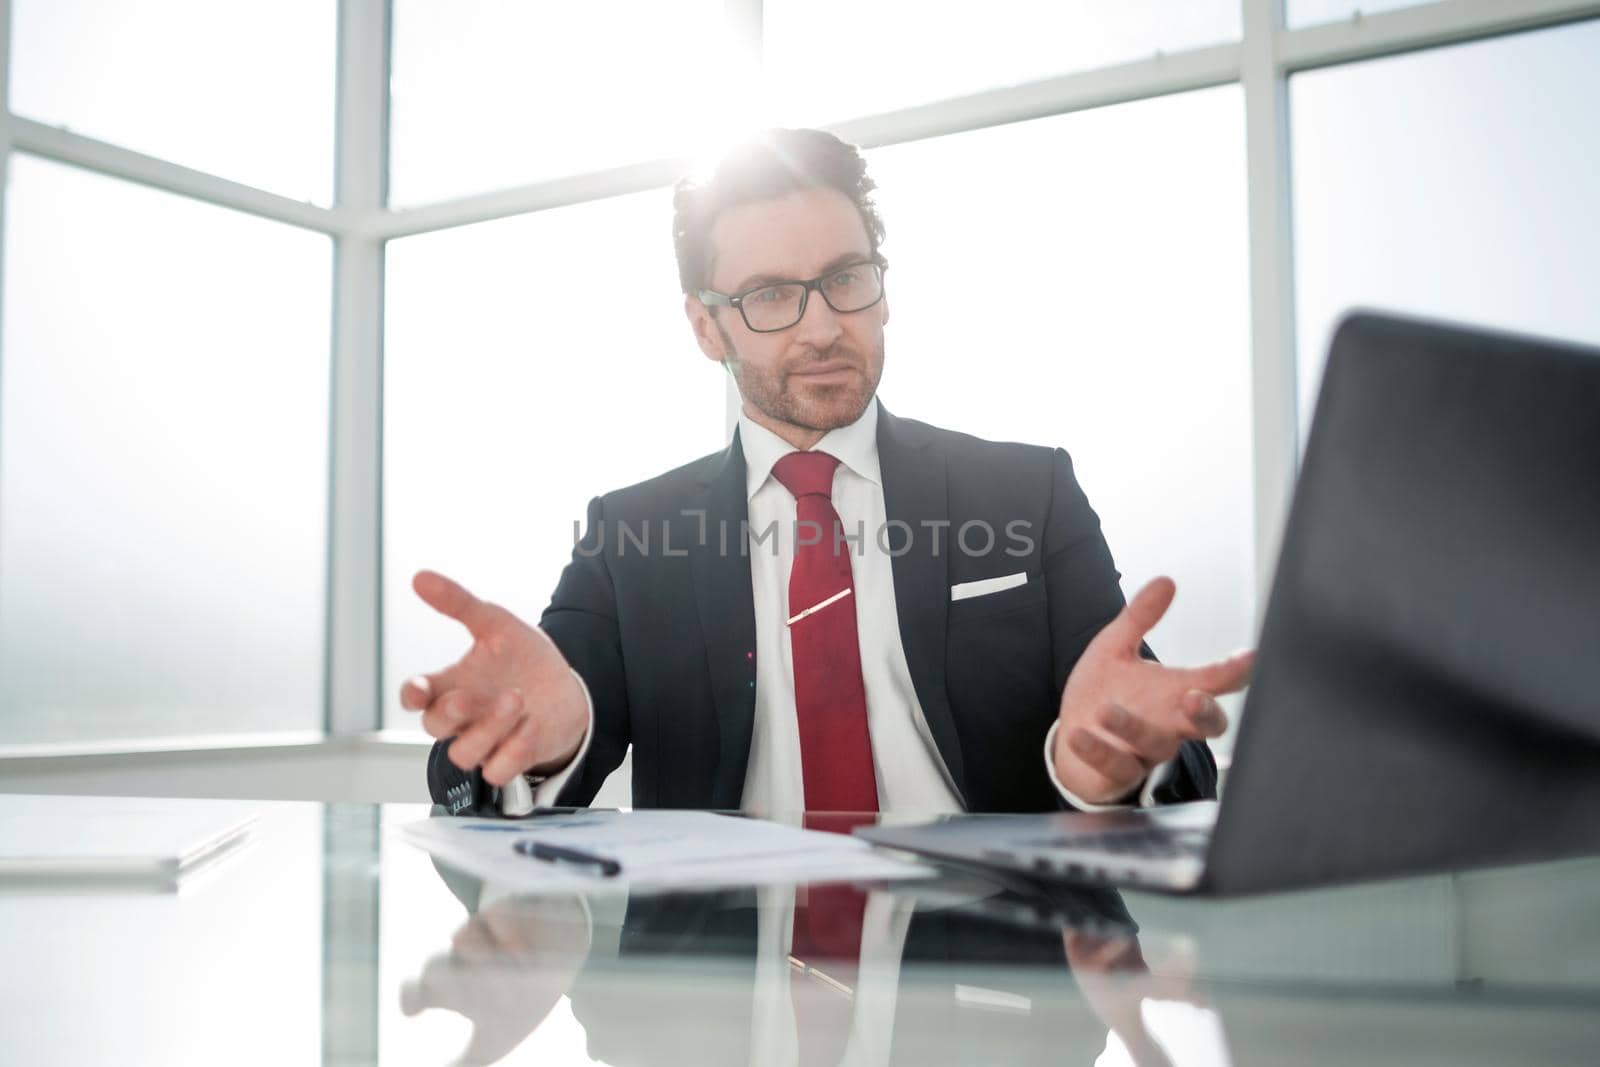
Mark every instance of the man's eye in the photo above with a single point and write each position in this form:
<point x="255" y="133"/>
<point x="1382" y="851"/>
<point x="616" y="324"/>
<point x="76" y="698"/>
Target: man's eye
<point x="765" y="296"/>
<point x="845" y="278"/>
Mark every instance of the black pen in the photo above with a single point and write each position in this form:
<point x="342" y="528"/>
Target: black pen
<point x="607" y="867"/>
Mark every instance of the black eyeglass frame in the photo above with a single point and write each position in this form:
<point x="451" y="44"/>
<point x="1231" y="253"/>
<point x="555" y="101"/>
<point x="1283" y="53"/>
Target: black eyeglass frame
<point x="712" y="298"/>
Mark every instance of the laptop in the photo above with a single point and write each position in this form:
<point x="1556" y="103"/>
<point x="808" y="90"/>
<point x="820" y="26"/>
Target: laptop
<point x="1427" y="687"/>
<point x="115" y="842"/>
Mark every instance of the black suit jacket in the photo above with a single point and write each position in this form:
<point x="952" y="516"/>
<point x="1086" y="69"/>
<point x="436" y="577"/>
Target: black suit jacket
<point x="655" y="611"/>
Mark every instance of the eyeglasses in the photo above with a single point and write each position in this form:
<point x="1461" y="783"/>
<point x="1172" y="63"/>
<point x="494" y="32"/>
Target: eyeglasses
<point x="770" y="308"/>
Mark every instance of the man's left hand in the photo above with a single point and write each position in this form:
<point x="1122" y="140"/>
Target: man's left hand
<point x="1122" y="715"/>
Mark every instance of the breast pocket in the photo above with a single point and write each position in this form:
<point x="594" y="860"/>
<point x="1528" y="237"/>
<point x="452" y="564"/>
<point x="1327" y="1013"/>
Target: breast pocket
<point x="997" y="664"/>
<point x="1006" y="601"/>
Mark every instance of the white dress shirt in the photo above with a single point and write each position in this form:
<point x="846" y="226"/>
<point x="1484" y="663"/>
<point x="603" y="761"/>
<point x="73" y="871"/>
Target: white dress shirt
<point x="911" y="775"/>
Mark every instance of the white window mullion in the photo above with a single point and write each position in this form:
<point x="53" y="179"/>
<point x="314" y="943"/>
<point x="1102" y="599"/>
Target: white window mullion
<point x="355" y="611"/>
<point x="5" y="136"/>
<point x="75" y="149"/>
<point x="1272" y="330"/>
<point x="747" y="29"/>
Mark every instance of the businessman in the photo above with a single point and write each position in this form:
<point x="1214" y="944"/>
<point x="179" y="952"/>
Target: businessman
<point x="844" y="610"/>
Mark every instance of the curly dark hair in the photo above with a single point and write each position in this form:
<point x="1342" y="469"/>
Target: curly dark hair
<point x="771" y="165"/>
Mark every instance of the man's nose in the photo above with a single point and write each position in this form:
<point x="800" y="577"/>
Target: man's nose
<point x="819" y="326"/>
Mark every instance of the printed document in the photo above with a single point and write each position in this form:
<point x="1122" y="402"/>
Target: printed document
<point x="653" y="849"/>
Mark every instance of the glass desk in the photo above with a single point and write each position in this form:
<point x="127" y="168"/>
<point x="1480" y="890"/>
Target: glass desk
<point x="328" y="939"/>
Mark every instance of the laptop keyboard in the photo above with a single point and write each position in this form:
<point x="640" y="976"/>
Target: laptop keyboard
<point x="1147" y="843"/>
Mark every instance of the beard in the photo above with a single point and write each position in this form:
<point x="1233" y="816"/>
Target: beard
<point x="784" y="395"/>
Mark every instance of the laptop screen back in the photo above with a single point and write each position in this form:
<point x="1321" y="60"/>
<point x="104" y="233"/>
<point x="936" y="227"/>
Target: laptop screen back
<point x="1429" y="675"/>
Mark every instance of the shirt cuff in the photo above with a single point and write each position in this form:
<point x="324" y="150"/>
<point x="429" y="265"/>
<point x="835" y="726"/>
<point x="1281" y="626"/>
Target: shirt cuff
<point x="542" y="793"/>
<point x="1157" y="778"/>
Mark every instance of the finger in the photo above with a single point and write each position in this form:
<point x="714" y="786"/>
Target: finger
<point x="1203" y="714"/>
<point x="456" y="709"/>
<point x="493" y="1037"/>
<point x="1121" y="769"/>
<point x="1148" y="741"/>
<point x="1225" y="676"/>
<point x="1090" y="953"/>
<point x="1140" y="615"/>
<point x="475" y="743"/>
<point x="438" y="986"/>
<point x="449" y="598"/>
<point x="416" y="693"/>
<point x="443" y="983"/>
<point x="421" y="692"/>
<point x="512" y="756"/>
<point x="412" y="1000"/>
<point x="1113" y="954"/>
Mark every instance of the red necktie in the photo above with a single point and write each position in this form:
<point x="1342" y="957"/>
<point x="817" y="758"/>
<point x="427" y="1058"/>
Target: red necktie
<point x="826" y="951"/>
<point x="830" y="703"/>
<point x="830" y="698"/>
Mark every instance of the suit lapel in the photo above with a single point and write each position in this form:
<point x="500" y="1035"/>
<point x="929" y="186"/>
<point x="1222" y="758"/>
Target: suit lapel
<point x="721" y="570"/>
<point x="915" y="491"/>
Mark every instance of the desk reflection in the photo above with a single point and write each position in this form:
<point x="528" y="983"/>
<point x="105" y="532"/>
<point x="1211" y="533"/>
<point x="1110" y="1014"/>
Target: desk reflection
<point x="506" y="968"/>
<point x="958" y="972"/>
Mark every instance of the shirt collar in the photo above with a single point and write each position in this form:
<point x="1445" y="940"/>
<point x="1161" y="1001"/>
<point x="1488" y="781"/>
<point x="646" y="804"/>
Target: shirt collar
<point x="855" y="446"/>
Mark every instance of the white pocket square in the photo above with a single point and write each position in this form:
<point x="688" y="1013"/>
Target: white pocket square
<point x="985" y="586"/>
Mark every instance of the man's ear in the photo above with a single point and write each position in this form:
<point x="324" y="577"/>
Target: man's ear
<point x="705" y="329"/>
<point x="884" y="303"/>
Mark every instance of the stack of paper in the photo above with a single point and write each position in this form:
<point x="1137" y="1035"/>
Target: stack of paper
<point x="649" y="849"/>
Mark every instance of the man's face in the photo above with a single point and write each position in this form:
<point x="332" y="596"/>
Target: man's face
<point x="821" y="372"/>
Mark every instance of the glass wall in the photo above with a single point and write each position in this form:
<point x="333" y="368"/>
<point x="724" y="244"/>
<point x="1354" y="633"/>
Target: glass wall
<point x="531" y="364"/>
<point x="163" y="464"/>
<point x="495" y="93"/>
<point x="1082" y="282"/>
<point x="1457" y="183"/>
<point x="1078" y="280"/>
<point x="901" y="53"/>
<point x="245" y="91"/>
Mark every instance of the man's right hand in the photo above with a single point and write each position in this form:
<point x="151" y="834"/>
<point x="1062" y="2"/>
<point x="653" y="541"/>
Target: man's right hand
<point x="512" y="703"/>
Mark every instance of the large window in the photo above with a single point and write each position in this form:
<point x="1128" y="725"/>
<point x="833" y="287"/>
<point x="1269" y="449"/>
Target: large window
<point x="1081" y="282"/>
<point x="163" y="464"/>
<point x="236" y="415"/>
<point x="242" y="90"/>
<point x="901" y="53"/>
<point x="495" y="93"/>
<point x="531" y="364"/>
<point x="1458" y="183"/>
